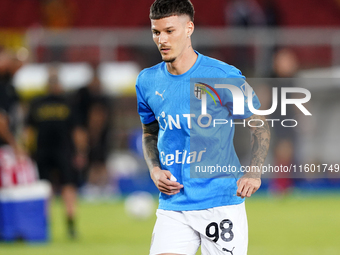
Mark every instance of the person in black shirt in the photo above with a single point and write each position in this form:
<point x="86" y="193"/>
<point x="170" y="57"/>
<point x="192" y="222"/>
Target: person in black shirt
<point x="52" y="118"/>
<point x="93" y="111"/>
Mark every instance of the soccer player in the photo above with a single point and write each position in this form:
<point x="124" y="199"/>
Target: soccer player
<point x="195" y="211"/>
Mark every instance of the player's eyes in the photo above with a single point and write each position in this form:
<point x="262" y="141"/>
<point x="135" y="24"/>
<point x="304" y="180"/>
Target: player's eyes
<point x="155" y="32"/>
<point x="170" y="31"/>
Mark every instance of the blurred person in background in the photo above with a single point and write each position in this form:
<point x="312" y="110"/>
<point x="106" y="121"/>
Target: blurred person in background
<point x="9" y="101"/>
<point x="285" y="67"/>
<point x="271" y="13"/>
<point x="244" y="13"/>
<point x="92" y="109"/>
<point x="249" y="13"/>
<point x="58" y="145"/>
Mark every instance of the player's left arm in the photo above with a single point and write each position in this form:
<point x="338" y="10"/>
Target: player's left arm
<point x="250" y="182"/>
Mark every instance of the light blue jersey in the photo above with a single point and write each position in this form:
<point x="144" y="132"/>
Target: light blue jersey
<point x="195" y="139"/>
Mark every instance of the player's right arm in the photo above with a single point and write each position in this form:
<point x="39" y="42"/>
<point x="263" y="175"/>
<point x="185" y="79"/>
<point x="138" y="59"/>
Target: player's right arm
<point x="160" y="177"/>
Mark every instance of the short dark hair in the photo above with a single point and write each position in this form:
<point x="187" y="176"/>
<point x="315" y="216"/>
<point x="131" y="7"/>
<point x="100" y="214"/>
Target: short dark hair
<point x="166" y="8"/>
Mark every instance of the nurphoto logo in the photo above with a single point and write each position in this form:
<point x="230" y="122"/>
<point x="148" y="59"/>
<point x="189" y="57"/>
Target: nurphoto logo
<point x="244" y="94"/>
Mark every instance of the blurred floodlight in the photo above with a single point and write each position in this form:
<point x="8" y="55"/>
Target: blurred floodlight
<point x="118" y="77"/>
<point x="31" y="77"/>
<point x="75" y="75"/>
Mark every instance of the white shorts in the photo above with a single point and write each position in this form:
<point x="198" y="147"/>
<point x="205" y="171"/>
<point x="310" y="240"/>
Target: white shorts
<point x="220" y="231"/>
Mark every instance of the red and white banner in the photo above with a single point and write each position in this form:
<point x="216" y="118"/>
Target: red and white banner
<point x="16" y="172"/>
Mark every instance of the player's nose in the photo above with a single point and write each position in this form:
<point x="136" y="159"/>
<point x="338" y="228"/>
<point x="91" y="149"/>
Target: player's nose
<point x="163" y="38"/>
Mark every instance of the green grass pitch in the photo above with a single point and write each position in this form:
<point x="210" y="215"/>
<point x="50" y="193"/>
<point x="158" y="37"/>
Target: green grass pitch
<point x="301" y="225"/>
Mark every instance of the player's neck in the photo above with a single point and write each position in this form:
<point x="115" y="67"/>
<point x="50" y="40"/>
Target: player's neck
<point x="183" y="62"/>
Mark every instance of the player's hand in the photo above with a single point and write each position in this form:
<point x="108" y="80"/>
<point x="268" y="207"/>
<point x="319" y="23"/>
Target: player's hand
<point x="19" y="153"/>
<point x="247" y="186"/>
<point x="80" y="161"/>
<point x="161" y="178"/>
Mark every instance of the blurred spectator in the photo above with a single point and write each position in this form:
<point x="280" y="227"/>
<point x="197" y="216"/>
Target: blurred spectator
<point x="93" y="108"/>
<point x="8" y="101"/>
<point x="244" y="13"/>
<point x="52" y="118"/>
<point x="249" y="14"/>
<point x="285" y="66"/>
<point x="271" y="13"/>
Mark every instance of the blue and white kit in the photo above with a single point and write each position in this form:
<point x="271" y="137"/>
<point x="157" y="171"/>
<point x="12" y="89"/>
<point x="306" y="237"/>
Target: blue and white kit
<point x="175" y="101"/>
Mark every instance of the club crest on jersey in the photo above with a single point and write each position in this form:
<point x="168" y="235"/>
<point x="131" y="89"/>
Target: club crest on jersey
<point x="201" y="89"/>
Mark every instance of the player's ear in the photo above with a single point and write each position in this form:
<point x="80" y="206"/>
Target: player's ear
<point x="190" y="28"/>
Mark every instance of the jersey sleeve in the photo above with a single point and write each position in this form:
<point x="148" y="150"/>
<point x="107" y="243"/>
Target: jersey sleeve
<point x="237" y="79"/>
<point x="146" y="114"/>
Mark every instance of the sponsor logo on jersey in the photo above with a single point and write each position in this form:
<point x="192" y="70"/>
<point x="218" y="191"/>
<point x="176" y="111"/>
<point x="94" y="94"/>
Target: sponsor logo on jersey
<point x="181" y="157"/>
<point x="159" y="94"/>
<point x="162" y="121"/>
<point x="52" y="112"/>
